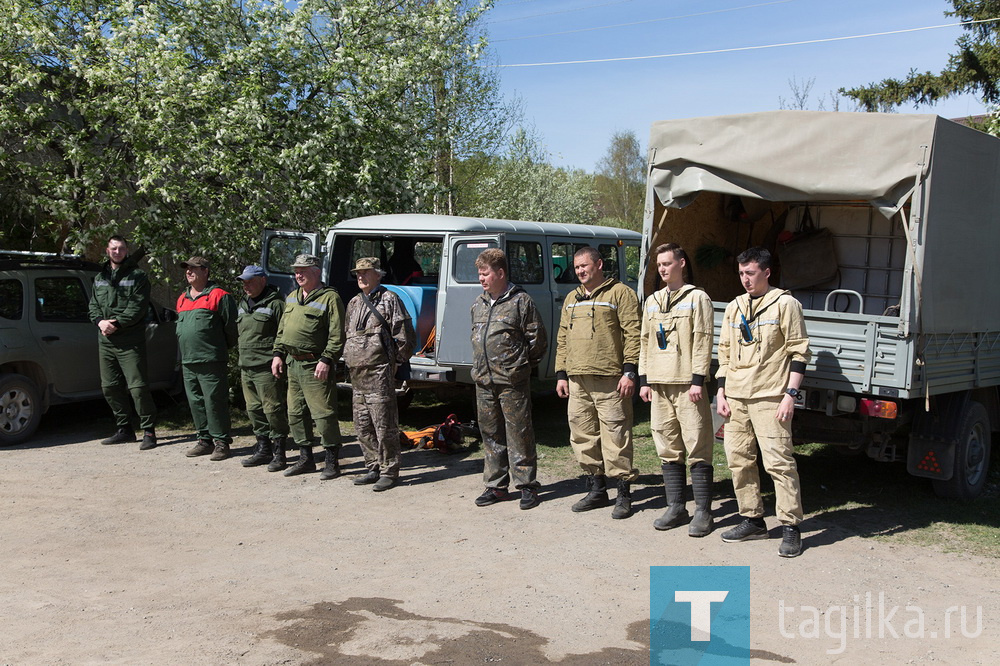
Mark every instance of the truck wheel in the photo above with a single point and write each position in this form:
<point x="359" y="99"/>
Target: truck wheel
<point x="972" y="456"/>
<point x="20" y="409"/>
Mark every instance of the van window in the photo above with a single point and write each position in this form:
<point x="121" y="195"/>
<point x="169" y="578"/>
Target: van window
<point x="404" y="260"/>
<point x="282" y="251"/>
<point x="562" y="262"/>
<point x="11" y="299"/>
<point x="632" y="264"/>
<point x="464" y="269"/>
<point x="525" y="260"/>
<point x="609" y="254"/>
<point x="61" y="299"/>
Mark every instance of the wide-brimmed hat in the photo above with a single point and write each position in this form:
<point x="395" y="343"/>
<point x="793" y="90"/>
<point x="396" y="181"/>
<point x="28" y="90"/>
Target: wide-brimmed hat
<point x="368" y="263"/>
<point x="306" y="261"/>
<point x="198" y="262"/>
<point x="251" y="272"/>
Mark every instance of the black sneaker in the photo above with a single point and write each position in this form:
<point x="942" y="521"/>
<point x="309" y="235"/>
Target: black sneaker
<point x="148" y="441"/>
<point x="384" y="483"/>
<point x="529" y="498"/>
<point x="122" y="436"/>
<point x="491" y="496"/>
<point x="371" y="477"/>
<point x="791" y="541"/>
<point x="748" y="530"/>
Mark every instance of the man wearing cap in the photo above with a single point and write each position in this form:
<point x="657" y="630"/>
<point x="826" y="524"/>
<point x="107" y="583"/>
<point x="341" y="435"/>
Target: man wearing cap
<point x="310" y="340"/>
<point x="119" y="305"/>
<point x="380" y="338"/>
<point x="257" y="318"/>
<point x="206" y="329"/>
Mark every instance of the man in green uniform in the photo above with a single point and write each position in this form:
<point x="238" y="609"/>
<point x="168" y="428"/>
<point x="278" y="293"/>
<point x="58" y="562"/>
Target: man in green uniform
<point x="206" y="329"/>
<point x="118" y="307"/>
<point x="257" y="318"/>
<point x="309" y="342"/>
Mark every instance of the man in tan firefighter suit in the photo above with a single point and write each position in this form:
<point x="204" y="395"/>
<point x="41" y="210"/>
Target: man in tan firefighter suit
<point x="380" y="338"/>
<point x="674" y="361"/>
<point x="763" y="352"/>
<point x="597" y="358"/>
<point x="310" y="340"/>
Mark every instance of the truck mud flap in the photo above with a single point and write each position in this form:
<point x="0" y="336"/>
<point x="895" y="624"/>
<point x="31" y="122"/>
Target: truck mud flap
<point x="931" y="450"/>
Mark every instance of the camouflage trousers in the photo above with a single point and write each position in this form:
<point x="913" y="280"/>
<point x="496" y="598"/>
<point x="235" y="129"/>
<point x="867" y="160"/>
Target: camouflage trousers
<point x="376" y="418"/>
<point x="504" y="414"/>
<point x="753" y="423"/>
<point x="265" y="396"/>
<point x="310" y="399"/>
<point x="123" y="372"/>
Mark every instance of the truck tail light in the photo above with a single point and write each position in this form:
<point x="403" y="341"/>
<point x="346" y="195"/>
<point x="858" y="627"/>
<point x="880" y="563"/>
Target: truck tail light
<point x="882" y="409"/>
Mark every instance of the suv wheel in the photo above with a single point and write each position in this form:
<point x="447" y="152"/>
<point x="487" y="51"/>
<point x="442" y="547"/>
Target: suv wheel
<point x="20" y="409"/>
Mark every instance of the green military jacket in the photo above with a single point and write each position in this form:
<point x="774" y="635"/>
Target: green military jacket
<point x="257" y="324"/>
<point x="312" y="326"/>
<point x="121" y="294"/>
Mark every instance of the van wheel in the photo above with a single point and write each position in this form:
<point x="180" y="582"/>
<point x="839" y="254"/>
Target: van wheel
<point x="972" y="456"/>
<point x="20" y="409"/>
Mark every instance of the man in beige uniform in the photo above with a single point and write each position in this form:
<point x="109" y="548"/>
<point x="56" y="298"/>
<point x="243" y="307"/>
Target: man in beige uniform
<point x="763" y="352"/>
<point x="597" y="358"/>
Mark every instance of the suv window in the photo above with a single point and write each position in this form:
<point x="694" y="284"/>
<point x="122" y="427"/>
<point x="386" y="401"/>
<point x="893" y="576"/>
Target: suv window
<point x="11" y="299"/>
<point x="61" y="299"/>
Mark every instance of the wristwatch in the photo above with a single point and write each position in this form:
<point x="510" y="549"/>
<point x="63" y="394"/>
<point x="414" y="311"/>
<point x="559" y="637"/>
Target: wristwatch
<point x="795" y="393"/>
<point x="630" y="375"/>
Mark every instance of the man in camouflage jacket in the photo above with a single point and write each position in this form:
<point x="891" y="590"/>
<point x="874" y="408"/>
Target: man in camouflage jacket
<point x="508" y="339"/>
<point x="376" y="345"/>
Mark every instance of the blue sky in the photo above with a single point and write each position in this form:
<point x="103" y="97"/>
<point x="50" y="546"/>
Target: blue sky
<point x="577" y="107"/>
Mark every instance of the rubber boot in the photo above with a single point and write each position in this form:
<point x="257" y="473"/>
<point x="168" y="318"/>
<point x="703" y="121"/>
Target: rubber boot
<point x="596" y="497"/>
<point x="701" y="485"/>
<point x="331" y="467"/>
<point x="673" y="487"/>
<point x="623" y="505"/>
<point x="261" y="453"/>
<point x="304" y="464"/>
<point x="278" y="462"/>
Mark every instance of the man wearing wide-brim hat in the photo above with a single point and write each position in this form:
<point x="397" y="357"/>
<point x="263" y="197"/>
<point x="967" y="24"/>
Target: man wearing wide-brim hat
<point x="206" y="330"/>
<point x="310" y="340"/>
<point x="380" y="338"/>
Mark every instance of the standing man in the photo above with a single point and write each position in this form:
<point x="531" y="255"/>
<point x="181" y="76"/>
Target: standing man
<point x="258" y="315"/>
<point x="119" y="304"/>
<point x="597" y="356"/>
<point x="380" y="338"/>
<point x="310" y="340"/>
<point x="763" y="352"/>
<point x="508" y="340"/>
<point x="206" y="330"/>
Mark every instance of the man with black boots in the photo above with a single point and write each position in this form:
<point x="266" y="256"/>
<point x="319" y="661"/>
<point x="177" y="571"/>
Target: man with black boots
<point x="763" y="352"/>
<point x="257" y="317"/>
<point x="674" y="361"/>
<point x="119" y="304"/>
<point x="597" y="357"/>
<point x="310" y="340"/>
<point x="380" y="337"/>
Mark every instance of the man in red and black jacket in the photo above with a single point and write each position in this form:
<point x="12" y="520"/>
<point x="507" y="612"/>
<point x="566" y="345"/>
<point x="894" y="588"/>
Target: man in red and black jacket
<point x="206" y="329"/>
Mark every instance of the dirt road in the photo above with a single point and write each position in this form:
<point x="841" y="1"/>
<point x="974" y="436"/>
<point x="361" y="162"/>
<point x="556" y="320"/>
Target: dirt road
<point x="112" y="555"/>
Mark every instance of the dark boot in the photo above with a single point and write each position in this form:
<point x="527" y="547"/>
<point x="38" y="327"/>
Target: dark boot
<point x="261" y="453"/>
<point x="701" y="485"/>
<point x="305" y="462"/>
<point x="148" y="440"/>
<point x="202" y="448"/>
<point x="331" y="468"/>
<point x="278" y="462"/>
<point x="221" y="451"/>
<point x="623" y="505"/>
<point x="673" y="487"/>
<point x="122" y="435"/>
<point x="597" y="494"/>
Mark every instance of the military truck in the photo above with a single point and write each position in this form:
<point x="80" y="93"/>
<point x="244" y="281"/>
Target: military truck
<point x="886" y="227"/>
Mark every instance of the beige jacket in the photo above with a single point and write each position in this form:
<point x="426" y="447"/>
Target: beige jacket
<point x="685" y="319"/>
<point x="759" y="369"/>
<point x="599" y="334"/>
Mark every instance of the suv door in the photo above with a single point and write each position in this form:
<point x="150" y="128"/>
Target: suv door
<point x="461" y="288"/>
<point x="60" y="322"/>
<point x="278" y="252"/>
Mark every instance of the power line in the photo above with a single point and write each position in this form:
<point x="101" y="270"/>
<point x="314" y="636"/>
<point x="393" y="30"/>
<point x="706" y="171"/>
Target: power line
<point x="560" y="11"/>
<point x="749" y="48"/>
<point x="657" y="20"/>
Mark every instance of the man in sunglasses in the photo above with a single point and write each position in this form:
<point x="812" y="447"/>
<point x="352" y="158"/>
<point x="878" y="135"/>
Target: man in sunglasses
<point x="763" y="352"/>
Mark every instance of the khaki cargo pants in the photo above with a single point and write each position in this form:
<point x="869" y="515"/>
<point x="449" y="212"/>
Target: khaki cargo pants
<point x="754" y="422"/>
<point x="600" y="427"/>
<point x="681" y="429"/>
